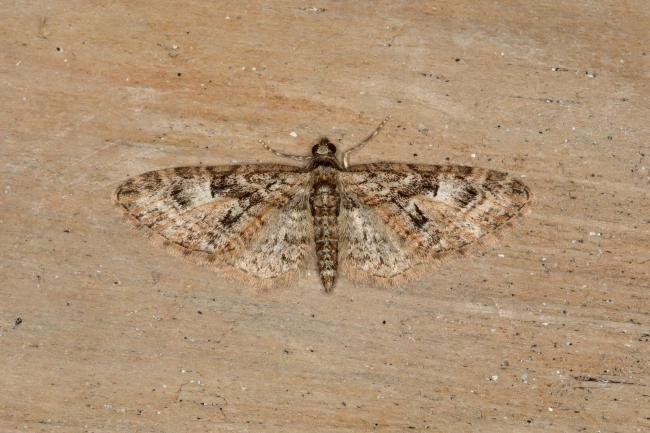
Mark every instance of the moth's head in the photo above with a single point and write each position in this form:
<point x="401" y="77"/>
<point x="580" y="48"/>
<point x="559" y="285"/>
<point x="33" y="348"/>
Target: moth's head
<point x="323" y="147"/>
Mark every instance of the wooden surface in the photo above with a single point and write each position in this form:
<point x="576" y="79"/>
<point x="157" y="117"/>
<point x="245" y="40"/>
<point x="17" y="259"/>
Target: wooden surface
<point x="547" y="330"/>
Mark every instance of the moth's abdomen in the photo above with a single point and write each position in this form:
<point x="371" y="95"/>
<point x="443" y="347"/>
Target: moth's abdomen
<point x="324" y="202"/>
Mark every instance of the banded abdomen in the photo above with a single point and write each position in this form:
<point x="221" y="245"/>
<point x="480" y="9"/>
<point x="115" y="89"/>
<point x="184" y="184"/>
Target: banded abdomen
<point x="324" y="201"/>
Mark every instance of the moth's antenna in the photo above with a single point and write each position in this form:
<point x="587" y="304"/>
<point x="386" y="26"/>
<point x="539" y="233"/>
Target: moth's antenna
<point x="284" y="155"/>
<point x="346" y="154"/>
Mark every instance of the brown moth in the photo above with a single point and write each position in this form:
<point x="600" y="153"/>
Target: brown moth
<point x="372" y="222"/>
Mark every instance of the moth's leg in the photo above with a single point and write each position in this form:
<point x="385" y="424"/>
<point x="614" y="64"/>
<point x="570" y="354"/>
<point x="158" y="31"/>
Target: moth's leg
<point x="346" y="154"/>
<point x="283" y="154"/>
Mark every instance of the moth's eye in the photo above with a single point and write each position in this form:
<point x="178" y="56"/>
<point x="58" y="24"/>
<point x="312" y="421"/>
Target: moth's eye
<point x="332" y="148"/>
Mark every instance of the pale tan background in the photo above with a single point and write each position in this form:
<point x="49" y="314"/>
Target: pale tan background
<point x="548" y="330"/>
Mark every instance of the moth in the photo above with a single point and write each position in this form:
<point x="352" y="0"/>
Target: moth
<point x="265" y="223"/>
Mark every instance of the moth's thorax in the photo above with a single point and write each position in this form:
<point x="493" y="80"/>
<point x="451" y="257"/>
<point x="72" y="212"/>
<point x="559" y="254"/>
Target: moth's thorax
<point x="324" y="203"/>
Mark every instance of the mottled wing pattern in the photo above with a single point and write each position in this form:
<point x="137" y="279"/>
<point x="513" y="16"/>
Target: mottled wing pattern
<point x="252" y="218"/>
<point x="282" y="244"/>
<point x="368" y="246"/>
<point x="399" y="215"/>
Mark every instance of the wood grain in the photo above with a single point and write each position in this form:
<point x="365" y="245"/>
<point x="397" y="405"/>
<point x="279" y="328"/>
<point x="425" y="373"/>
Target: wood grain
<point x="547" y="330"/>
